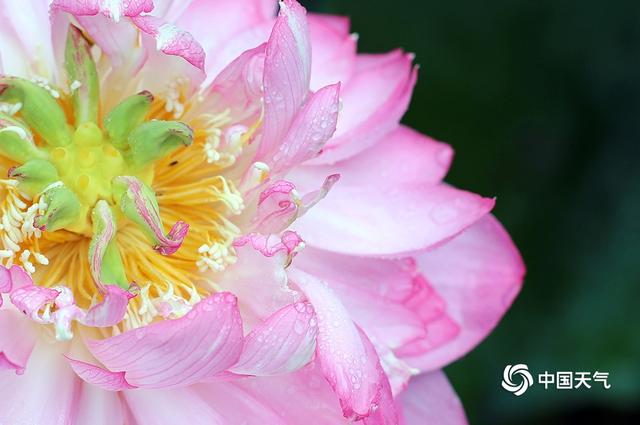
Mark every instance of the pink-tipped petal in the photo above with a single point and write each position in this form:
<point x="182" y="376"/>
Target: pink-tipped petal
<point x="100" y="377"/>
<point x="430" y="399"/>
<point x="172" y="40"/>
<point x="180" y="352"/>
<point x="17" y="339"/>
<point x="346" y="359"/>
<point x="478" y="274"/>
<point x="374" y="99"/>
<point x="311" y="128"/>
<point x="385" y="218"/>
<point x="287" y="71"/>
<point x="285" y="342"/>
<point x="111" y="310"/>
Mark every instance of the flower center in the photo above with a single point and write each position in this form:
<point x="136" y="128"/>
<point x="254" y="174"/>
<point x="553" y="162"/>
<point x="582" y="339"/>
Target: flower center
<point x="90" y="195"/>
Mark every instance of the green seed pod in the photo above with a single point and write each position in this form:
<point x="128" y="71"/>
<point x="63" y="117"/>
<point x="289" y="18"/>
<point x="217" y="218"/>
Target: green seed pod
<point x="83" y="77"/>
<point x="126" y="116"/>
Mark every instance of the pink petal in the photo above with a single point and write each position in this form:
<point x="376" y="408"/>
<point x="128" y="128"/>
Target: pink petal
<point x="237" y="87"/>
<point x="99" y="407"/>
<point x="334" y="50"/>
<point x="430" y="399"/>
<point x="95" y="375"/>
<point x="172" y="40"/>
<point x="270" y="245"/>
<point x="30" y="299"/>
<point x="285" y="342"/>
<point x="258" y="277"/>
<point x="302" y="397"/>
<point x="311" y="128"/>
<point x="478" y="274"/>
<point x="111" y="310"/>
<point x="176" y="407"/>
<point x="403" y="156"/>
<point x="19" y="277"/>
<point x="114" y="9"/>
<point x="389" y="219"/>
<point x="287" y="71"/>
<point x="25" y="37"/>
<point x="17" y="339"/>
<point x="374" y="99"/>
<point x="226" y="28"/>
<point x="346" y="358"/>
<point x="47" y="392"/>
<point x="180" y="352"/>
<point x="372" y="290"/>
<point x="339" y="24"/>
<point x="277" y="208"/>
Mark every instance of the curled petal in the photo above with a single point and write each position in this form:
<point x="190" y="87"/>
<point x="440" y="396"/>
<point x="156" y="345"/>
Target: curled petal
<point x="270" y="245"/>
<point x="347" y="359"/>
<point x="138" y="203"/>
<point x="171" y="40"/>
<point x="31" y="299"/>
<point x="111" y="310"/>
<point x="100" y="377"/>
<point x="174" y="353"/>
<point x="285" y="342"/>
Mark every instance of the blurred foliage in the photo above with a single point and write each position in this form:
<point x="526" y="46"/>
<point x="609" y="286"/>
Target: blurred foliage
<point x="541" y="101"/>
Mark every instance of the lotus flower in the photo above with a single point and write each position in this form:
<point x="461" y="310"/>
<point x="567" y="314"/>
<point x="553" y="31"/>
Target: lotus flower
<point x="212" y="216"/>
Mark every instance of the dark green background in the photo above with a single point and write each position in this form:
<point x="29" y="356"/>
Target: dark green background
<point x="541" y="101"/>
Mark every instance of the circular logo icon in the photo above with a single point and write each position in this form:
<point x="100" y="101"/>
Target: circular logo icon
<point x="517" y="379"/>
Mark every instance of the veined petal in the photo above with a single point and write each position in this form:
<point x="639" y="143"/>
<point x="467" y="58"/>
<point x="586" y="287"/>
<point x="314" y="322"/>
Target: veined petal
<point x="348" y="362"/>
<point x="99" y="407"/>
<point x="390" y="219"/>
<point x="30" y="299"/>
<point x="287" y="71"/>
<point x="180" y="352"/>
<point x="431" y="399"/>
<point x="17" y="340"/>
<point x="100" y="377"/>
<point x="285" y="342"/>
